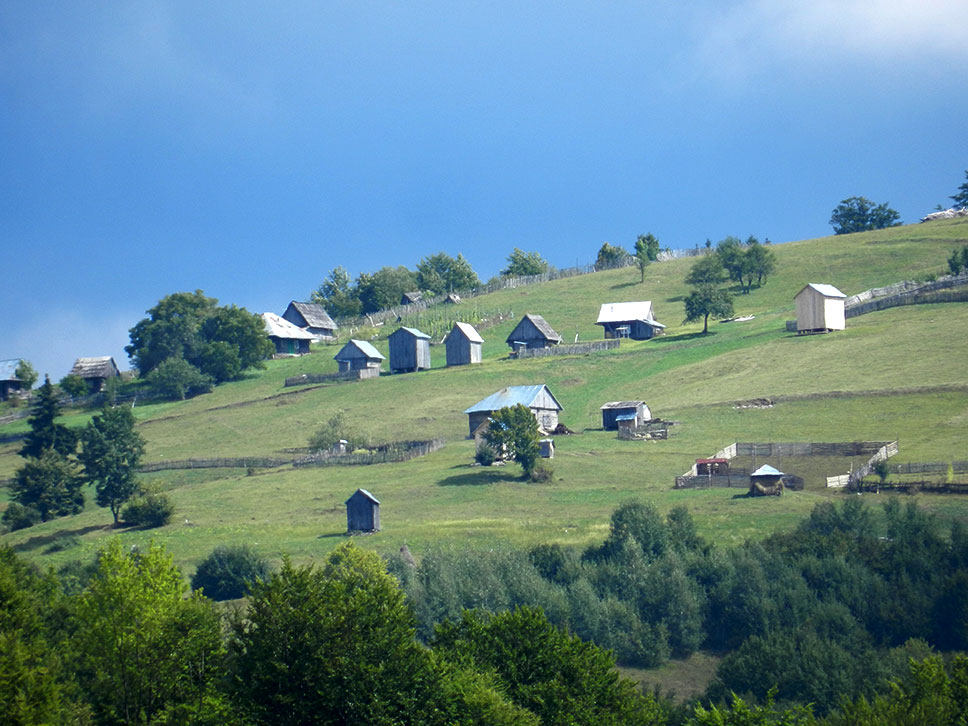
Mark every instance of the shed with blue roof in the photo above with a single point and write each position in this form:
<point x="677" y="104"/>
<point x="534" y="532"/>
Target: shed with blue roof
<point x="359" y="355"/>
<point x="538" y="398"/>
<point x="409" y="350"/>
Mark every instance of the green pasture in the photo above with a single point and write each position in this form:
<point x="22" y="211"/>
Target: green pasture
<point x="900" y="373"/>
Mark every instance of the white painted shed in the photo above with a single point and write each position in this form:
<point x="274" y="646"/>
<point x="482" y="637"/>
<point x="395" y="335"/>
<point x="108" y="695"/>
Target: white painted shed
<point x="820" y="308"/>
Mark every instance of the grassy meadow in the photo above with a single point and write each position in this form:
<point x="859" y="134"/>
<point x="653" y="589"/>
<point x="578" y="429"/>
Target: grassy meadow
<point x="900" y="373"/>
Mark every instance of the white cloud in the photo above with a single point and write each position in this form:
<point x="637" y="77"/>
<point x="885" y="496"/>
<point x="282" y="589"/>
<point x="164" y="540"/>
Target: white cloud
<point x="820" y="34"/>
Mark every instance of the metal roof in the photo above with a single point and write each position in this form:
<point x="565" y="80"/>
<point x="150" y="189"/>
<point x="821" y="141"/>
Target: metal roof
<point x="8" y="369"/>
<point x="469" y="331"/>
<point x="512" y="396"/>
<point x="621" y="312"/>
<point x="623" y="404"/>
<point x="314" y="314"/>
<point x="367" y="350"/>
<point x="413" y="331"/>
<point x="279" y="327"/>
<point x="365" y="493"/>
<point x="625" y="417"/>
<point x="824" y="289"/>
<point x="767" y="470"/>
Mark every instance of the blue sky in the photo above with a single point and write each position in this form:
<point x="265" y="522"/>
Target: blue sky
<point x="246" y="149"/>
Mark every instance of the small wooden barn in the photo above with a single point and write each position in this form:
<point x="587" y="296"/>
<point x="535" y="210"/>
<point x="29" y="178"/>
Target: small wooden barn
<point x="612" y="411"/>
<point x="95" y="371"/>
<point x="8" y="378"/>
<point x="359" y="355"/>
<point x="408" y="298"/>
<point x="286" y="337"/>
<point x="312" y="318"/>
<point x="409" y="350"/>
<point x="635" y="320"/>
<point x="362" y="512"/>
<point x="463" y="345"/>
<point x="766" y="481"/>
<point x="712" y="467"/>
<point x="820" y="308"/>
<point x="533" y="332"/>
<point x="538" y="398"/>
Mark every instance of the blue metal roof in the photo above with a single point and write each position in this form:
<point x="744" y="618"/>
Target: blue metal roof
<point x="363" y="346"/>
<point x="767" y="470"/>
<point x="414" y="332"/>
<point x="8" y="368"/>
<point x="510" y="396"/>
<point x="625" y="417"/>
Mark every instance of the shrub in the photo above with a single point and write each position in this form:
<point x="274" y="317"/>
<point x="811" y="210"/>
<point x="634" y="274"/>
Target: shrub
<point x="18" y="516"/>
<point x="484" y="456"/>
<point x="541" y="473"/>
<point x="148" y="510"/>
<point x="229" y="572"/>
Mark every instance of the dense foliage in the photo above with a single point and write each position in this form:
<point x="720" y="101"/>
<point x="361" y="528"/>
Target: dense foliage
<point x="513" y="432"/>
<point x="521" y="263"/>
<point x="610" y="256"/>
<point x="859" y="214"/>
<point x="110" y="453"/>
<point x="229" y="572"/>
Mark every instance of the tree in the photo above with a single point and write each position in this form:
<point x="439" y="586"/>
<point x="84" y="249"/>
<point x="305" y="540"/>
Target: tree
<point x="609" y="256"/>
<point x="49" y="484"/>
<point x="44" y="433"/>
<point x="147" y="653"/>
<point x="110" y="453"/>
<point x="760" y="262"/>
<point x="961" y="197"/>
<point x="958" y="260"/>
<point x="334" y="430"/>
<point x="548" y="671"/>
<point x="859" y="214"/>
<point x="521" y="263"/>
<point x="383" y="288"/>
<point x="177" y="378"/>
<point x="646" y="251"/>
<point x="706" y="270"/>
<point x="229" y="572"/>
<point x="333" y="645"/>
<point x="514" y="431"/>
<point x="336" y="294"/>
<point x="186" y="325"/>
<point x="732" y="255"/>
<point x="706" y="300"/>
<point x="442" y="273"/>
<point x="25" y="373"/>
<point x="73" y="385"/>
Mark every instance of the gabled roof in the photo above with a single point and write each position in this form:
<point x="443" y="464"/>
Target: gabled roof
<point x="621" y="312"/>
<point x="767" y="470"/>
<point x="314" y="314"/>
<point x="623" y="404"/>
<point x="469" y="331"/>
<point x="278" y="327"/>
<point x="362" y="492"/>
<point x="540" y="324"/>
<point x="512" y="396"/>
<point x="98" y="367"/>
<point x="8" y="369"/>
<point x="413" y="331"/>
<point x="824" y="289"/>
<point x="413" y="297"/>
<point x="358" y="349"/>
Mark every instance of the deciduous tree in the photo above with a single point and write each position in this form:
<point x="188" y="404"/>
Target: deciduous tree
<point x="336" y="294"/>
<point x="26" y="374"/>
<point x="859" y="214"/>
<point x="521" y="263"/>
<point x="440" y="273"/>
<point x="110" y="453"/>
<point x="609" y="256"/>
<point x="706" y="270"/>
<point x="514" y="431"/>
<point x="706" y="300"/>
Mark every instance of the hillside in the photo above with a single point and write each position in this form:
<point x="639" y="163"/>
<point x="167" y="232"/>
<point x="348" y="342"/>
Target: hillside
<point x="900" y="373"/>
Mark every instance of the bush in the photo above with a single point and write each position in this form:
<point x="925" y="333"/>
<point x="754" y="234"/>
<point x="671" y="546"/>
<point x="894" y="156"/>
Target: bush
<point x="541" y="473"/>
<point x="18" y="516"/>
<point x="175" y="378"/>
<point x="229" y="572"/>
<point x="484" y="456"/>
<point x="148" y="510"/>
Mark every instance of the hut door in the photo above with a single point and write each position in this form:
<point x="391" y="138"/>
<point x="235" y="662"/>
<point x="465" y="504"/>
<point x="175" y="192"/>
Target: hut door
<point x="291" y="347"/>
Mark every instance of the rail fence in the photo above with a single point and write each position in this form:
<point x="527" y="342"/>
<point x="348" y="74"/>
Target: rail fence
<point x="930" y="467"/>
<point x="307" y="379"/>
<point x="571" y="349"/>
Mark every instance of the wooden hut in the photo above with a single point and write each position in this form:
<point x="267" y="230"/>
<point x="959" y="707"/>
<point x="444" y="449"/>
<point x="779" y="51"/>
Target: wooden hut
<point x="95" y="371"/>
<point x="359" y="355"/>
<point x="532" y="332"/>
<point x="8" y="378"/>
<point x="312" y="318"/>
<point x="712" y="467"/>
<point x="766" y="481"/>
<point x="409" y="350"/>
<point x="538" y="398"/>
<point x="463" y="345"/>
<point x="635" y="411"/>
<point x="820" y="309"/>
<point x="409" y="298"/>
<point x="362" y="512"/>
<point x="286" y="337"/>
<point x="635" y="320"/>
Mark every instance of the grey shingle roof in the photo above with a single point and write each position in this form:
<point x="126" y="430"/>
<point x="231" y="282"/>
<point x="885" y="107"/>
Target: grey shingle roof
<point x="314" y="314"/>
<point x="97" y="367"/>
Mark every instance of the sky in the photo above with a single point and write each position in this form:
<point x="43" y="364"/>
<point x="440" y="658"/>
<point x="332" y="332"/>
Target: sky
<point x="246" y="149"/>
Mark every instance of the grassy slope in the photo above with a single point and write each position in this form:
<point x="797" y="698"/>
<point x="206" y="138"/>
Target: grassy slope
<point x="441" y="501"/>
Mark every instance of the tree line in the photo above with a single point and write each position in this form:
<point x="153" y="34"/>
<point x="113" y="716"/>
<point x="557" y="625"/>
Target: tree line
<point x="830" y="623"/>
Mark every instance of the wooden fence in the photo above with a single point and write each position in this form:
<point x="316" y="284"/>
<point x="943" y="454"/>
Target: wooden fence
<point x="738" y="478"/>
<point x="916" y="297"/>
<point x="930" y="467"/>
<point x="390" y="452"/>
<point x="307" y="379"/>
<point x="571" y="349"/>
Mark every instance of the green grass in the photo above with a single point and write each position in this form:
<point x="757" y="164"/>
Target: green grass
<point x="902" y="373"/>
